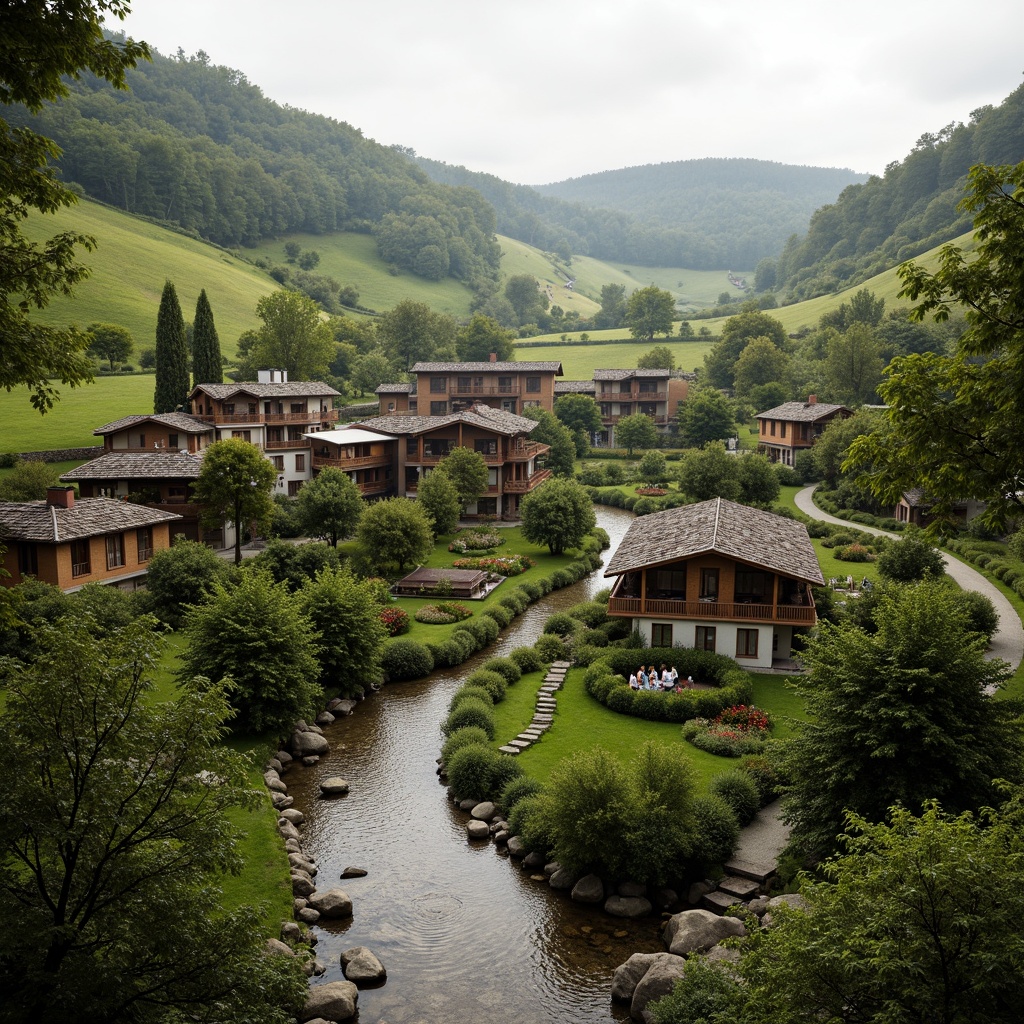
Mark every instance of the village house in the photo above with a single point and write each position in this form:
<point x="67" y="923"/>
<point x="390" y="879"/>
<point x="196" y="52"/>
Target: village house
<point x="915" y="508"/>
<point x="795" y="426"/>
<point x="717" y="576"/>
<point x="71" y="543"/>
<point x="653" y="393"/>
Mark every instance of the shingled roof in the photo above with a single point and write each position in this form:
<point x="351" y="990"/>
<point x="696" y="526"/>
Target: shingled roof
<point x="138" y="465"/>
<point x="736" y="531"/>
<point x="802" y="412"/>
<point x="479" y="416"/>
<point x="552" y="366"/>
<point x="176" y="420"/>
<point x="89" y="517"/>
<point x="575" y="387"/>
<point x="291" y="389"/>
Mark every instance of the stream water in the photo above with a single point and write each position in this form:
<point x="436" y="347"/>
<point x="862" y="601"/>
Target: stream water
<point x="465" y="933"/>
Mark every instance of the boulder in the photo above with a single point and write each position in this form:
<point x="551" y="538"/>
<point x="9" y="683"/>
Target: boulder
<point x="627" y="906"/>
<point x="325" y="718"/>
<point x="484" y="811"/>
<point x="723" y="954"/>
<point x="343" y="707"/>
<point x="334" y="786"/>
<point x="659" y="981"/>
<point x="589" y="889"/>
<point x="362" y="967"/>
<point x="563" y="878"/>
<point x="477" y="830"/>
<point x="290" y="932"/>
<point x="516" y="847"/>
<point x="275" y="947"/>
<point x="501" y="837"/>
<point x="273" y="782"/>
<point x="302" y="885"/>
<point x="331" y="903"/>
<point x="468" y="804"/>
<point x="306" y="743"/>
<point x="534" y="860"/>
<point x="292" y="814"/>
<point x="698" y="930"/>
<point x="790" y="899"/>
<point x="288" y="830"/>
<point x="281" y="801"/>
<point x="627" y="976"/>
<point x="284" y="757"/>
<point x="307" y="915"/>
<point x="353" y="872"/>
<point x="698" y="891"/>
<point x="274" y="765"/>
<point x="301" y="863"/>
<point x="335" y="1001"/>
<point x="311" y="759"/>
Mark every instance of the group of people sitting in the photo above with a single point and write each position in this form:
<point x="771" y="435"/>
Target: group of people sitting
<point x="666" y="680"/>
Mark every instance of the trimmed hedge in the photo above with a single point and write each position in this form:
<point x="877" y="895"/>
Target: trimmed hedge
<point x="493" y="682"/>
<point x="471" y="712"/>
<point x="505" y="667"/>
<point x="464" y="737"/>
<point x="406" y="659"/>
<point x="527" y="659"/>
<point x="470" y="691"/>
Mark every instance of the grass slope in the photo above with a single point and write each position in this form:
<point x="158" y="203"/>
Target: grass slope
<point x="132" y="260"/>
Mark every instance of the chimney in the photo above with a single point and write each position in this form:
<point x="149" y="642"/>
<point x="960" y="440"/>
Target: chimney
<point x="494" y="357"/>
<point x="60" y="497"/>
<point x="812" y="399"/>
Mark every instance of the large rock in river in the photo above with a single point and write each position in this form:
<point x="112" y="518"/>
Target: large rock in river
<point x="331" y="903"/>
<point x="628" y="975"/>
<point x="362" y="967"/>
<point x="305" y="743"/>
<point x="659" y="981"/>
<point x="699" y="930"/>
<point x="335" y="1001"/>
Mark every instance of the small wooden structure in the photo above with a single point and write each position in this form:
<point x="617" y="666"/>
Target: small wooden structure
<point x="467" y="584"/>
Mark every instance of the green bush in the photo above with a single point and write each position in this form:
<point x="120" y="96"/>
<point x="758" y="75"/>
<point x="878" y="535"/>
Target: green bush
<point x="529" y="820"/>
<point x="527" y="659"/>
<point x="505" y="771"/>
<point x="505" y="667"/>
<point x="465" y="642"/>
<point x="550" y="648"/>
<point x="406" y="659"/>
<point x="854" y="553"/>
<point x="590" y="613"/>
<point x="581" y="653"/>
<point x="620" y="699"/>
<point x="501" y="615"/>
<point x="470" y="770"/>
<point x="470" y="712"/>
<point x="532" y="590"/>
<point x="516" y="601"/>
<point x="516" y="790"/>
<point x="493" y="682"/>
<point x="544" y="583"/>
<point x="484" y="630"/>
<point x="561" y="578"/>
<point x="981" y="612"/>
<point x="715" y="831"/>
<point x="464" y="737"/>
<point x="594" y="637"/>
<point x="739" y="791"/>
<point x="446" y="653"/>
<point x="469" y="691"/>
<point x="561" y="624"/>
<point x="764" y="776"/>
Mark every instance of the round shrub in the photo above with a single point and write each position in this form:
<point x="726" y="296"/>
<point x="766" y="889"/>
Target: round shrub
<point x="981" y="612"/>
<point x="470" y="712"/>
<point x="600" y="685"/>
<point x="715" y="830"/>
<point x="464" y="737"/>
<point x="406" y="659"/>
<point x="446" y="653"/>
<point x="651" y="705"/>
<point x="505" y="770"/>
<point x="505" y="667"/>
<point x="739" y="791"/>
<point x="544" y="583"/>
<point x="485" y="630"/>
<point x="527" y="659"/>
<point x="464" y="630"/>
<point x="561" y="624"/>
<point x="516" y="790"/>
<point x="396" y="620"/>
<point x="532" y="590"/>
<point x="582" y="654"/>
<point x="469" y="692"/>
<point x="528" y="820"/>
<point x="516" y="601"/>
<point x="470" y="770"/>
<point x="594" y="637"/>
<point x="550" y="647"/>
<point x="628" y="501"/>
<point x="561" y="578"/>
<point x="590" y="613"/>
<point x="762" y="773"/>
<point x="492" y="682"/>
<point x="464" y="642"/>
<point x="645" y="506"/>
<point x="620" y="699"/>
<point x="501" y="615"/>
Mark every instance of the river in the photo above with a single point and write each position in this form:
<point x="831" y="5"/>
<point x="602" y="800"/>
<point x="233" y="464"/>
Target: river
<point x="465" y="933"/>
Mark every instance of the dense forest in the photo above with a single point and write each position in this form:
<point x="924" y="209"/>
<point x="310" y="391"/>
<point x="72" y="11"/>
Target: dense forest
<point x="908" y="210"/>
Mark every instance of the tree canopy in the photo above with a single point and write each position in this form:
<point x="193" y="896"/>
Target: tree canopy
<point x="706" y="415"/>
<point x="412" y="332"/>
<point x="636" y="431"/>
<point x="172" y="377"/>
<point x="481" y="338"/>
<point x="559" y="514"/>
<point x="111" y="342"/>
<point x="207" y="366"/>
<point x="293" y="337"/>
<point x="650" y="311"/>
<point x="395" y="533"/>
<point x="329" y="506"/>
<point x="468" y="471"/>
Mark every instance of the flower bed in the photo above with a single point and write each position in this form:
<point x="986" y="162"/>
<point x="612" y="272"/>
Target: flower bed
<point x="474" y="540"/>
<point x="395" y="620"/>
<point x="735" y="731"/>
<point x="503" y="565"/>
<point x="442" y="614"/>
<point x="651" y="492"/>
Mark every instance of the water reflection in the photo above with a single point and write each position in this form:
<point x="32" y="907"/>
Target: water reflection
<point x="465" y="933"/>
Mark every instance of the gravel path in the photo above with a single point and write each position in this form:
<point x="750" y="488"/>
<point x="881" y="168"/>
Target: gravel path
<point x="1008" y="641"/>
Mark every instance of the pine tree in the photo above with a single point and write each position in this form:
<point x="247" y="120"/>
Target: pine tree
<point x="172" y="383"/>
<point x="207" y="367"/>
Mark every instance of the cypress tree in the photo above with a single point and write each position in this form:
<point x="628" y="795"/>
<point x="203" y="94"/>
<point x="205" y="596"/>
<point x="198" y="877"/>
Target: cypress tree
<point x="207" y="367"/>
<point x="172" y="383"/>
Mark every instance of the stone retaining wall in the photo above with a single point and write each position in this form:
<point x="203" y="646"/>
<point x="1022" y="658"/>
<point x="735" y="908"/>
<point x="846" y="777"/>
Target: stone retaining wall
<point x="62" y="454"/>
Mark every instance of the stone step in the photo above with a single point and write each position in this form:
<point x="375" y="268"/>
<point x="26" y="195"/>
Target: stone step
<point x="718" y="902"/>
<point x="563" y="665"/>
<point x="742" y="888"/>
<point x="508" y="750"/>
<point x="541" y="716"/>
<point x="521" y="744"/>
<point x="536" y="726"/>
<point x="748" y="869"/>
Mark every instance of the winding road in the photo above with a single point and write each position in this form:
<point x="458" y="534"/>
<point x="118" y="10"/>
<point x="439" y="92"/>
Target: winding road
<point x="1008" y="640"/>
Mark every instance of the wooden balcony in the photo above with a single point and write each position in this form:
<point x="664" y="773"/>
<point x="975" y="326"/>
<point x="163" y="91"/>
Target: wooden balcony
<point x="729" y="611"/>
<point x="310" y="416"/>
<point x="363" y="462"/>
<point x="487" y="390"/>
<point x="523" y="451"/>
<point x="522" y="486"/>
<point x="276" y="446"/>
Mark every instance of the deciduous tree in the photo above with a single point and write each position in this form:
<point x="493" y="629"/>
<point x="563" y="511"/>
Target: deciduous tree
<point x="172" y="379"/>
<point x="483" y="337"/>
<point x="293" y="336"/>
<point x="413" y="332"/>
<point x="710" y="473"/>
<point x="329" y="506"/>
<point x="853" y="366"/>
<point x="658" y="358"/>
<point x="559" y="514"/>
<point x="468" y="471"/>
<point x="561" y="459"/>
<point x="440" y="500"/>
<point x="27" y="481"/>
<point x="111" y="342"/>
<point x="636" y="431"/>
<point x="234" y="483"/>
<point x="650" y="311"/>
<point x="706" y="415"/>
<point x="581" y="414"/>
<point x="395" y="533"/>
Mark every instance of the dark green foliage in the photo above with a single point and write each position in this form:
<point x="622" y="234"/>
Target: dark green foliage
<point x="464" y="737"/>
<point x="172" y="377"/>
<point x="590" y="613"/>
<point x="561" y="624"/>
<point x="516" y="601"/>
<point x="715" y="830"/>
<point x="484" y="629"/>
<point x="406" y="659"/>
<point x="471" y="712"/>
<point x="559" y="514"/>
<point x="505" y="770"/>
<point x="706" y="994"/>
<point x="181" y="575"/>
<point x="464" y="642"/>
<point x="551" y="648"/>
<point x="981" y="613"/>
<point x="910" y="559"/>
<point x="501" y="615"/>
<point x="505" y="667"/>
<point x="517" y="789"/>
<point x="493" y="682"/>
<point x="739" y="791"/>
<point x="527" y="659"/>
<point x="207" y="366"/>
<point x="446" y="653"/>
<point x="330" y="506"/>
<point x="294" y="564"/>
<point x="528" y="821"/>
<point x="764" y="774"/>
<point x="470" y="770"/>
<point x="27" y="481"/>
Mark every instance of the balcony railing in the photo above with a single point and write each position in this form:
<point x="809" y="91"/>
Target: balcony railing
<point x="678" y="608"/>
<point x="297" y="442"/>
<point x="360" y="462"/>
<point x="522" y="486"/>
<point x="310" y="416"/>
<point x="523" y="451"/>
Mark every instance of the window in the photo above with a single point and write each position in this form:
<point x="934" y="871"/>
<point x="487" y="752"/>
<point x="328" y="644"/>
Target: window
<point x="142" y="440"/>
<point x="705" y="639"/>
<point x="746" y="643"/>
<point x="412" y="447"/>
<point x="293" y="487"/>
<point x="648" y="387"/>
<point x="532" y="404"/>
<point x="80" y="558"/>
<point x="668" y="583"/>
<point x="144" y="540"/>
<point x="115" y="551"/>
<point x="245" y="435"/>
<point x="606" y="410"/>
<point x="753" y="585"/>
<point x="487" y="506"/>
<point x="661" y="634"/>
<point x="533" y="384"/>
<point x="438" y="408"/>
<point x="648" y="409"/>
<point x="28" y="560"/>
<point x="391" y="406"/>
<point x="486" y="446"/>
<point x="297" y="407"/>
<point x="505" y="385"/>
<point x="437" y="448"/>
<point x="465" y="385"/>
<point x="278" y="462"/>
<point x="438" y="385"/>
<point x="709" y="584"/>
<point x="508" y="405"/>
<point x="772" y="428"/>
<point x="172" y="440"/>
<point x="625" y="409"/>
<point x="300" y="463"/>
<point x="229" y="408"/>
<point x="625" y="387"/>
<point x="782" y="430"/>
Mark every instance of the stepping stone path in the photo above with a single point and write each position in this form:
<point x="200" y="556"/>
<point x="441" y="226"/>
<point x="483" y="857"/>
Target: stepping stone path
<point x="547" y="704"/>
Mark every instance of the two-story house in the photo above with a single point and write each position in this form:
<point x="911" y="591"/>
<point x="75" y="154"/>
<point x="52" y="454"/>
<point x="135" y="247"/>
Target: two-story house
<point x="370" y="458"/>
<point x="795" y="426"/>
<point x="71" y="543"/>
<point x="717" y="576"/>
<point x="273" y="414"/>
<point x="654" y="393"/>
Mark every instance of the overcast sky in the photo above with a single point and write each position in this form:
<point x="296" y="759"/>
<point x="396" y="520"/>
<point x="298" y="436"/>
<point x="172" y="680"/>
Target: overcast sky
<point x="537" y="92"/>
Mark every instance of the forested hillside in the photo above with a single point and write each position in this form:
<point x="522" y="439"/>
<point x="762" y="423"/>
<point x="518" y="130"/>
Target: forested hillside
<point x="910" y="209"/>
<point x="702" y="214"/>
<point x="198" y="146"/>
